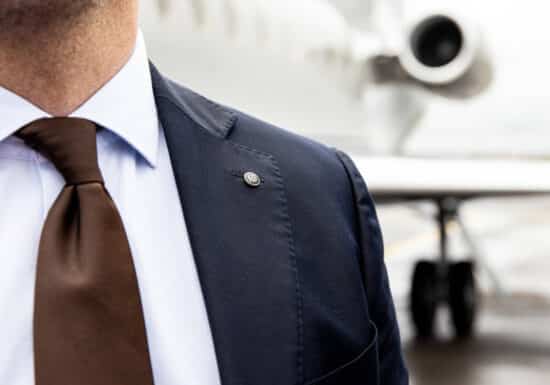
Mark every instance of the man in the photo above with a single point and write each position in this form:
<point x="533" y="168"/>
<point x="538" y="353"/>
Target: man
<point x="150" y="236"/>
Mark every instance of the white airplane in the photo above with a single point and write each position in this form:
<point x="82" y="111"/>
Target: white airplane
<point x="356" y="75"/>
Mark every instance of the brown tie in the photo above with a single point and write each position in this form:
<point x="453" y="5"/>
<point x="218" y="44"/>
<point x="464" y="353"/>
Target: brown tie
<point x="88" y="319"/>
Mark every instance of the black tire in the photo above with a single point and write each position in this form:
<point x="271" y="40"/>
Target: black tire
<point x="424" y="298"/>
<point x="463" y="298"/>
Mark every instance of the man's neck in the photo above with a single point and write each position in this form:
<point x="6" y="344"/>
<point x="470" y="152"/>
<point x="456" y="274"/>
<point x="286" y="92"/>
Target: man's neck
<point x="59" y="66"/>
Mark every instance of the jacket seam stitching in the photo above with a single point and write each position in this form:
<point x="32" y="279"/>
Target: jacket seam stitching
<point x="292" y="255"/>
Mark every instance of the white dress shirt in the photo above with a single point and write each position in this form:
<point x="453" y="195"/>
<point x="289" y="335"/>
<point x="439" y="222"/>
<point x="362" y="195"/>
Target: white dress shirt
<point x="134" y="160"/>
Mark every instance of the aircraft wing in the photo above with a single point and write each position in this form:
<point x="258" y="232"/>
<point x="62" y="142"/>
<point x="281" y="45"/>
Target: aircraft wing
<point x="393" y="179"/>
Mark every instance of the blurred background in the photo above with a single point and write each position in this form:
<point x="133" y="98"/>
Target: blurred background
<point x="444" y="107"/>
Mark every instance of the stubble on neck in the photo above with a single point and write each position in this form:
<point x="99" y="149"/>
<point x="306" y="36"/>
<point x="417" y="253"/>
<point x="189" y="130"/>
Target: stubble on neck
<point x="58" y="53"/>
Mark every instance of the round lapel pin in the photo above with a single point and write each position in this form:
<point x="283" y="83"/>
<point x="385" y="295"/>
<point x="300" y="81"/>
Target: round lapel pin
<point x="252" y="179"/>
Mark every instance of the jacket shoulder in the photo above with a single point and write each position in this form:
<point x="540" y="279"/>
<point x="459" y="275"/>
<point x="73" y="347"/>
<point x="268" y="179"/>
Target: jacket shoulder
<point x="300" y="157"/>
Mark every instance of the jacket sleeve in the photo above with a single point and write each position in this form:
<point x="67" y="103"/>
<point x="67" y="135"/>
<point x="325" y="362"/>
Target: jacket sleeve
<point x="381" y="307"/>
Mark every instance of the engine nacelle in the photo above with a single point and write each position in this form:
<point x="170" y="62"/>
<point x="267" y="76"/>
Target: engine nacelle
<point x="446" y="54"/>
<point x="442" y="53"/>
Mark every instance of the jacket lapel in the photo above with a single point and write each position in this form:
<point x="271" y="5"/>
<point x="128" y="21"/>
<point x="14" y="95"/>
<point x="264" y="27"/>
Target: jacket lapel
<point x="241" y="239"/>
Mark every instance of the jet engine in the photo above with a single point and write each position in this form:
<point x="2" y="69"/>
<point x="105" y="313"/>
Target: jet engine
<point x="442" y="53"/>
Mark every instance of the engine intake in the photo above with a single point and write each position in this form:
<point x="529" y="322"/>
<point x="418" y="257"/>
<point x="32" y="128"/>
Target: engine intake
<point x="437" y="41"/>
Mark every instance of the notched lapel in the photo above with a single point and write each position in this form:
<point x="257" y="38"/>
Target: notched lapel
<point x="242" y="243"/>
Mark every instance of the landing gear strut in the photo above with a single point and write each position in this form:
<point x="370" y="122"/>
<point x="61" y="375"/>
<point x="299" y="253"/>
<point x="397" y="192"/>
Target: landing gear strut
<point x="444" y="283"/>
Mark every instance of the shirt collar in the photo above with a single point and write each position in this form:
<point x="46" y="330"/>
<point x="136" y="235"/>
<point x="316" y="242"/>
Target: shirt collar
<point x="125" y="105"/>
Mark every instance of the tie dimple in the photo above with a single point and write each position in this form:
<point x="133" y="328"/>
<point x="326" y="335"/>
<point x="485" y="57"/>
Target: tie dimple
<point x="69" y="143"/>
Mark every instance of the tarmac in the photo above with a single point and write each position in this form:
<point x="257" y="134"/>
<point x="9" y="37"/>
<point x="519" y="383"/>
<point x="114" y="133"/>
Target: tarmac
<point x="512" y="340"/>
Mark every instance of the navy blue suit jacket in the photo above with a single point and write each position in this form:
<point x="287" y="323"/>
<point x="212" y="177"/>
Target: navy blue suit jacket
<point x="292" y="271"/>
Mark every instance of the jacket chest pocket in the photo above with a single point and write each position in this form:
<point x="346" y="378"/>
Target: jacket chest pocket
<point x="362" y="370"/>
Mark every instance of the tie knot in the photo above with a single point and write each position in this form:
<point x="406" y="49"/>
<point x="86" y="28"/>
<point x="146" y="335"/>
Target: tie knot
<point x="69" y="143"/>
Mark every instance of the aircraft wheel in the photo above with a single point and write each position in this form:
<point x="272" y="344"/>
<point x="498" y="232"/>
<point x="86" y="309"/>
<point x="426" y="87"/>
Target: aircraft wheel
<point x="463" y="299"/>
<point x="424" y="298"/>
